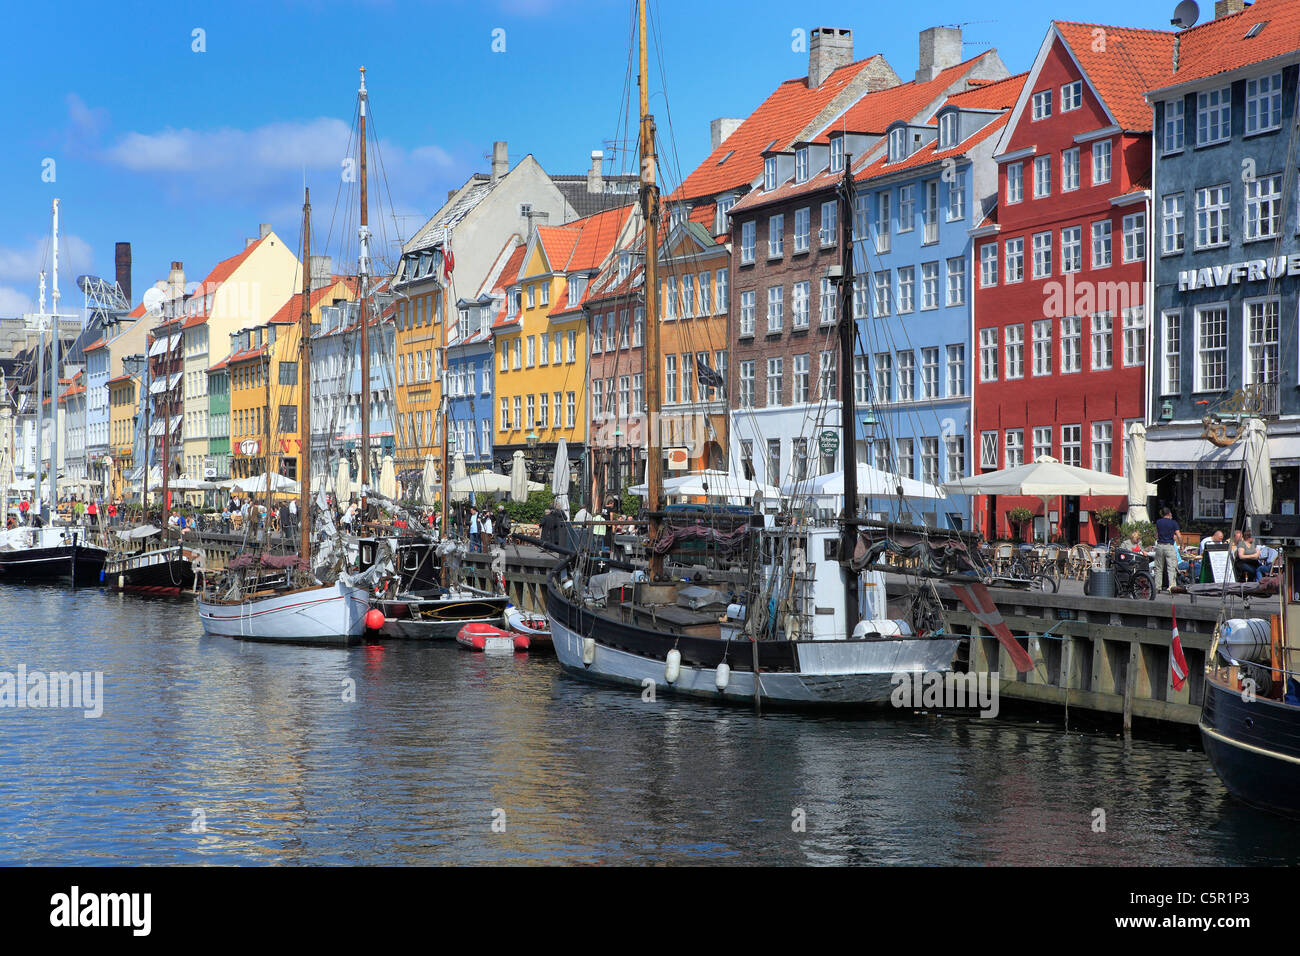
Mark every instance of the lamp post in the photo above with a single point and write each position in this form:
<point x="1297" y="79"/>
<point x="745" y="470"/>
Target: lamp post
<point x="532" y="439"/>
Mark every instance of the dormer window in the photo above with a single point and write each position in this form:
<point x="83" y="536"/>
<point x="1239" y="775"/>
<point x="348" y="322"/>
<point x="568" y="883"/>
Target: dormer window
<point x="722" y="214"/>
<point x="947" y="130"/>
<point x="897" y="144"/>
<point x="678" y="215"/>
<point x="769" y="173"/>
<point x="837" y="154"/>
<point x="801" y="165"/>
<point x="577" y="286"/>
<point x="624" y="265"/>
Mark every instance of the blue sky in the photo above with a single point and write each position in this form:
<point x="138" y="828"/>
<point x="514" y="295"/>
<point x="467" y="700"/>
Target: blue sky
<point x="183" y="153"/>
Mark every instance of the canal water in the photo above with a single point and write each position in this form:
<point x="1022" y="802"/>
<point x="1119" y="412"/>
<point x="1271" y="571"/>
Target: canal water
<point x="215" y="751"/>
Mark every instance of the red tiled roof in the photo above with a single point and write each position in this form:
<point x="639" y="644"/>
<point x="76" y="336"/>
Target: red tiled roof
<point x="222" y="364"/>
<point x="137" y="312"/>
<point x="1124" y="67"/>
<point x="121" y="378"/>
<point x="739" y="158"/>
<point x="510" y="271"/>
<point x="95" y="345"/>
<point x="246" y="354"/>
<point x="1220" y="45"/>
<point x="929" y="153"/>
<point x="291" y="311"/>
<point x="194" y="320"/>
<point x="596" y="237"/>
<point x="986" y="95"/>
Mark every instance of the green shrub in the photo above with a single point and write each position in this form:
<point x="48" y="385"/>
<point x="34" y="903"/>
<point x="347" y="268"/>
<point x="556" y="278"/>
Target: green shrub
<point x="1144" y="528"/>
<point x="530" y="511"/>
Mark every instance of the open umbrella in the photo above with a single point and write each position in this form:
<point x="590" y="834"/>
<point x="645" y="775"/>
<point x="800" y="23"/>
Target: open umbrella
<point x="872" y="483"/>
<point x="1257" y="465"/>
<point x="518" y="479"/>
<point x="713" y="484"/>
<point x="458" y="473"/>
<point x="560" y="480"/>
<point x="255" y="484"/>
<point x="488" y="483"/>
<point x="1137" y="472"/>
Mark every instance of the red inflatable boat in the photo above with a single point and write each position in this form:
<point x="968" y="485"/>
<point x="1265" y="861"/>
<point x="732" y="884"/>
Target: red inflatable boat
<point x="484" y="637"/>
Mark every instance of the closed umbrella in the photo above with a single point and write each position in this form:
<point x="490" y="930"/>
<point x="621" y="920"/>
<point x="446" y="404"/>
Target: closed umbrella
<point x="388" y="479"/>
<point x="1257" y="466"/>
<point x="458" y="473"/>
<point x="343" y="483"/>
<point x="518" y="479"/>
<point x="1137" y="472"/>
<point x="560" y="480"/>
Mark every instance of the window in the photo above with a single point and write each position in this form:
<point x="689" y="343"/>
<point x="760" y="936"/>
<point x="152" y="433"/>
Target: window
<point x="747" y="384"/>
<point x="1071" y="344"/>
<point x="1102" y="340"/>
<point x="1072" y="445"/>
<point x="1070" y="170"/>
<point x="1042" y="105"/>
<point x="930" y="373"/>
<point x="883" y="290"/>
<point x="518" y="419"/>
<point x="1212" y="204"/>
<point x="1071" y="96"/>
<point x="1071" y="249"/>
<point x="1042" y="441"/>
<point x="776" y="236"/>
<point x="747" y="312"/>
<point x="1135" y="237"/>
<point x="571" y="346"/>
<point x="955" y="446"/>
<point x="289" y="373"/>
<point x="722" y="301"/>
<point x="828" y="300"/>
<point x="1213" y="116"/>
<point x="799" y="458"/>
<point x="532" y="411"/>
<point x="988" y="449"/>
<point x="1042" y="255"/>
<point x="1014" y="352"/>
<point x="688" y="304"/>
<point x="1015" y="260"/>
<point x="670" y="378"/>
<point x="544" y="412"/>
<point x="1135" y="336"/>
<point x="957" y="197"/>
<point x="988" y="355"/>
<point x="837" y="154"/>
<point x="1261" y="341"/>
<point x="802" y="228"/>
<point x="1042" y="176"/>
<point x="929" y="285"/>
<point x="828" y="233"/>
<point x="1263" y="208"/>
<point x="860" y="382"/>
<point x="906" y="376"/>
<point x="775" y="308"/>
<point x="801" y="164"/>
<point x="532" y="352"/>
<point x="988" y="265"/>
<point x="1171" y="371"/>
<point x="930" y="460"/>
<point x="897" y="144"/>
<point x="688" y="379"/>
<point x="747" y="457"/>
<point x="1264" y="103"/>
<point x="747" y="230"/>
<point x="906" y="208"/>
<point x="1015" y="182"/>
<point x="930" y="212"/>
<point x="799" y="295"/>
<point x="1015" y="447"/>
<point x="597" y="333"/>
<point x="720" y="216"/>
<point x="1172" y="224"/>
<point x="884" y="366"/>
<point x="882" y="222"/>
<point x="1101" y="446"/>
<point x="906" y="286"/>
<point x="948" y="130"/>
<point x="906" y="458"/>
<point x="957" y="369"/>
<point x="774" y="461"/>
<point x="1043" y="347"/>
<point x="769" y="173"/>
<point x="1101" y="161"/>
<point x="1171" y="138"/>
<point x="1211" y="349"/>
<point x="957" y="281"/>
<point x="802" y="388"/>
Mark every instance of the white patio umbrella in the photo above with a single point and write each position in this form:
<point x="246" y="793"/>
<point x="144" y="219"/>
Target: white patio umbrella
<point x="488" y="483"/>
<point x="872" y="483"/>
<point x="343" y="483"/>
<point x="192" y="484"/>
<point x="560" y="479"/>
<point x="518" y="478"/>
<point x="388" y="479"/>
<point x="458" y="473"/>
<point x="713" y="484"/>
<point x="1137" y="472"/>
<point x="1256" y="464"/>
<point x="257" y="484"/>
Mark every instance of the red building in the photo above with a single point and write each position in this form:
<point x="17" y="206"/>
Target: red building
<point x="1060" y="317"/>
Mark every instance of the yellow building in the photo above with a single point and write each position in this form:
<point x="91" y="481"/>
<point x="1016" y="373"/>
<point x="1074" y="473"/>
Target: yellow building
<point x="418" y="349"/>
<point x="541" y="340"/>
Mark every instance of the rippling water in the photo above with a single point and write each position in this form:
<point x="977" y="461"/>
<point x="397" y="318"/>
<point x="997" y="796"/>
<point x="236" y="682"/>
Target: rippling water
<point x="259" y="740"/>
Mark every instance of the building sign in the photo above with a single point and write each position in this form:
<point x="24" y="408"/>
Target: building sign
<point x="829" y="442"/>
<point x="1252" y="270"/>
<point x="250" y="446"/>
<point x="679" y="459"/>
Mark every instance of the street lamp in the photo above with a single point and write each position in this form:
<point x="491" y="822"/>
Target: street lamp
<point x="532" y="438"/>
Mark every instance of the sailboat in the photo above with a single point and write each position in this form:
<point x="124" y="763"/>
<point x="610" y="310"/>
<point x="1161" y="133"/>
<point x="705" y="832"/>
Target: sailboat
<point x="280" y="597"/>
<point x="49" y="552"/>
<point x="781" y="626"/>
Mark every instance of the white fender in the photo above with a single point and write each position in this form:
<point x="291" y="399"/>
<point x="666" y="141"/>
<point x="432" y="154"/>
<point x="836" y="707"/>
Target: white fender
<point x="588" y="650"/>
<point x="673" y="668"/>
<point x="722" y="677"/>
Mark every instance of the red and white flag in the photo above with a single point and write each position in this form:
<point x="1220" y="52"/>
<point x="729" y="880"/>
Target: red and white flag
<point x="979" y="602"/>
<point x="1177" y="662"/>
<point x="448" y="260"/>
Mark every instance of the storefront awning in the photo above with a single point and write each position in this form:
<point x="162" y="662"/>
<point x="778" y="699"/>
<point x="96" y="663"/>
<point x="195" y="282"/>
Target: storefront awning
<point x="1197" y="453"/>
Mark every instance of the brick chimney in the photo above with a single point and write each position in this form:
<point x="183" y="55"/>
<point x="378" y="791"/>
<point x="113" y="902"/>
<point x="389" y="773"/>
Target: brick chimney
<point x="940" y="48"/>
<point x="720" y="129"/>
<point x="595" y="179"/>
<point x="829" y="49"/>
<point x="122" y="266"/>
<point x="176" y="281"/>
<point x="500" y="160"/>
<point x="1226" y="8"/>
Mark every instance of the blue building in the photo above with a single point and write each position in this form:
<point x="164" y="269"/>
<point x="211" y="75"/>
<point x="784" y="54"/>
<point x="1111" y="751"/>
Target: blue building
<point x="469" y="381"/>
<point x="1226" y="261"/>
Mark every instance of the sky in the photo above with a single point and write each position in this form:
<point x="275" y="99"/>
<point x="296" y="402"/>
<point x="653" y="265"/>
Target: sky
<point x="180" y="127"/>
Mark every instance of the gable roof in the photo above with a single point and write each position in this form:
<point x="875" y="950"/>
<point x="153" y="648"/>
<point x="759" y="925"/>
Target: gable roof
<point x="584" y="243"/>
<point x="291" y="311"/>
<point x="1221" y="45"/>
<point x="1122" y="68"/>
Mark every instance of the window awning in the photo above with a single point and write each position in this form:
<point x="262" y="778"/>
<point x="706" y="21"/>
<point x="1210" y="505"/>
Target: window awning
<point x="1197" y="453"/>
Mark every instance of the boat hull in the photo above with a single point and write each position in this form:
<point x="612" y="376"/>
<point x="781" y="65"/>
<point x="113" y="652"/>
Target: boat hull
<point x="413" y="629"/>
<point x="168" y="571"/>
<point x="534" y="626"/>
<point x="411" y="617"/>
<point x="332" y="614"/>
<point x="1254" y="747"/>
<point x="77" y="563"/>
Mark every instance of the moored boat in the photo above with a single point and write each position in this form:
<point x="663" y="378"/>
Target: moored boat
<point x="150" y="570"/>
<point x="535" y="626"/>
<point x="438" y="613"/>
<point x="55" y="554"/>
<point x="489" y="639"/>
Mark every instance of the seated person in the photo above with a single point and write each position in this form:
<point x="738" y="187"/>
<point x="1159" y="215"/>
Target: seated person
<point x="1267" y="559"/>
<point x="1194" y="566"/>
<point x="1135" y="544"/>
<point x="1249" y="560"/>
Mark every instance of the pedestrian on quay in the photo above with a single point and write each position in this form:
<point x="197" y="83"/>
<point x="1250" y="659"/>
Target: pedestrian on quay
<point x="293" y="517"/>
<point x="92" y="511"/>
<point x="23" y="507"/>
<point x="1168" y="538"/>
<point x="503" y="525"/>
<point x="475" y="531"/>
<point x="485" y="525"/>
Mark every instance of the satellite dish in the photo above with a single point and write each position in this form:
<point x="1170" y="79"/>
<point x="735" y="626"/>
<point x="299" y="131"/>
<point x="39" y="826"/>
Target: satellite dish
<point x="153" y="298"/>
<point x="1185" y="14"/>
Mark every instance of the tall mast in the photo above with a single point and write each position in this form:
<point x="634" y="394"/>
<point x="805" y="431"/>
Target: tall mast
<point x="148" y="439"/>
<point x="38" y="499"/>
<point x="364" y="270"/>
<point x="304" y="385"/>
<point x="54" y="371"/>
<point x="848" y="409"/>
<point x="446" y="409"/>
<point x="650" y="214"/>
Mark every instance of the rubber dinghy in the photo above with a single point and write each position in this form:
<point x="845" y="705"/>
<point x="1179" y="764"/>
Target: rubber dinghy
<point x="484" y="637"/>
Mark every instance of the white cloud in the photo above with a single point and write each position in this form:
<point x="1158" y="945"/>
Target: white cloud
<point x="22" y="266"/>
<point x="14" y="303"/>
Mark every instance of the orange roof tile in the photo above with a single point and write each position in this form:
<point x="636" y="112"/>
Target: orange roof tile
<point x="929" y="153"/>
<point x="95" y="345"/>
<point x="1124" y="67"/>
<point x="291" y="311"/>
<point x="985" y="95"/>
<point x="1220" y="45"/>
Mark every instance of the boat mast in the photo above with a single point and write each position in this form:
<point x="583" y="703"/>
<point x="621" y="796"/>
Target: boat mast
<point x="54" y="372"/>
<point x="848" y="408"/>
<point x="304" y="386"/>
<point x="650" y="214"/>
<point x="446" y="405"/>
<point x="363" y="267"/>
<point x="148" y="401"/>
<point x="38" y="498"/>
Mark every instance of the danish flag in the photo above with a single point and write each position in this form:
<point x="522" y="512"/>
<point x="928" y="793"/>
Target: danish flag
<point x="1177" y="662"/>
<point x="979" y="602"/>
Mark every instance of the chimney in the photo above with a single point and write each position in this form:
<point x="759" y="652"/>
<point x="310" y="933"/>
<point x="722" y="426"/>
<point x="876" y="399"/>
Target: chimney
<point x="263" y="230"/>
<point x="176" y="282"/>
<point x="322" y="270"/>
<point x="1226" y="8"/>
<point x="535" y="219"/>
<point x="595" y="180"/>
<point x="720" y="129"/>
<point x="500" y="160"/>
<point x="830" y="49"/>
<point x="122" y="264"/>
<point x="940" y="49"/>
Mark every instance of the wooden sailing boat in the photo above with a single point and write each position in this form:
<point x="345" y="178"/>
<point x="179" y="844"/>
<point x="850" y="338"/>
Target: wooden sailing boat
<point x="277" y="597"/>
<point x="802" y="642"/>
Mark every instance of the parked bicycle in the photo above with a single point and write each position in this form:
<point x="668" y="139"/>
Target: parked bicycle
<point x="1133" y="577"/>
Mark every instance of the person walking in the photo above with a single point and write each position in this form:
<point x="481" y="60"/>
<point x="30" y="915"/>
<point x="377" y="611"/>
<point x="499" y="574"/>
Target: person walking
<point x="503" y="525"/>
<point x="485" y="525"/>
<point x="293" y="517"/>
<point x="1168" y="537"/>
<point x="475" y="531"/>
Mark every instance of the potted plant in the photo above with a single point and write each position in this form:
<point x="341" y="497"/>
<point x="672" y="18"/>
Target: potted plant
<point x="1108" y="518"/>
<point x="1018" y="517"/>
